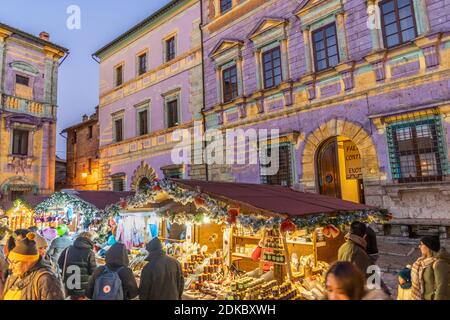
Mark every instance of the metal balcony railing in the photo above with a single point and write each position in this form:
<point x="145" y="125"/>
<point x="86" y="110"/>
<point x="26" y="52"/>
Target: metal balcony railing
<point x="21" y="105"/>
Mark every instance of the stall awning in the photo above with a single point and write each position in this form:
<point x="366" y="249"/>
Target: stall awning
<point x="101" y="199"/>
<point x="271" y="198"/>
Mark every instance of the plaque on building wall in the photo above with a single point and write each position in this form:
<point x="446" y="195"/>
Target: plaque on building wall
<point x="353" y="168"/>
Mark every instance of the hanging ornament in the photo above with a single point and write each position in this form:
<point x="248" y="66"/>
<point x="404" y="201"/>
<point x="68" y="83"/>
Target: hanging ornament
<point x="287" y="225"/>
<point x="326" y="231"/>
<point x="334" y="231"/>
<point x="232" y="215"/>
<point x="199" y="202"/>
<point x="156" y="188"/>
<point x="123" y="203"/>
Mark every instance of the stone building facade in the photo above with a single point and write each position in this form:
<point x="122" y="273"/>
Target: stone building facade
<point x="82" y="155"/>
<point x="28" y="89"/>
<point x="358" y="80"/>
<point x="150" y="86"/>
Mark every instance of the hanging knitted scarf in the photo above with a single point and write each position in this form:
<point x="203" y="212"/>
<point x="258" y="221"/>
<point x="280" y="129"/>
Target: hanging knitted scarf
<point x="418" y="286"/>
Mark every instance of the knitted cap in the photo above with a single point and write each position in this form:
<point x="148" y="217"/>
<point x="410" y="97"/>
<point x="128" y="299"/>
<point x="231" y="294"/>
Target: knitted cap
<point x="432" y="242"/>
<point x="405" y="273"/>
<point x="41" y="242"/>
<point x="25" y="250"/>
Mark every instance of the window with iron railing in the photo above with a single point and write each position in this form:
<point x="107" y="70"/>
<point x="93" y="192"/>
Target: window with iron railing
<point x="118" y="183"/>
<point x="284" y="176"/>
<point x="417" y="149"/>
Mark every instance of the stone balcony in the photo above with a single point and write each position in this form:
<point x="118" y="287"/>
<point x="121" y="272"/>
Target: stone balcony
<point x="30" y="107"/>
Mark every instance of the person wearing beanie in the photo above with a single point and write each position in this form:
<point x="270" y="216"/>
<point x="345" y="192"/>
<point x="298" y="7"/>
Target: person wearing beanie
<point x="404" y="284"/>
<point x="430" y="274"/>
<point x="31" y="279"/>
<point x="59" y="244"/>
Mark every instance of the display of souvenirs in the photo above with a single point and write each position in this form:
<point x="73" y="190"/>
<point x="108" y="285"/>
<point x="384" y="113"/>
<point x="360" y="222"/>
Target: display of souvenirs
<point x="312" y="288"/>
<point x="273" y="248"/>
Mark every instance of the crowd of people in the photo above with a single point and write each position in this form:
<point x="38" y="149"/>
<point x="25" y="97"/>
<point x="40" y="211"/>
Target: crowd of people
<point x="30" y="269"/>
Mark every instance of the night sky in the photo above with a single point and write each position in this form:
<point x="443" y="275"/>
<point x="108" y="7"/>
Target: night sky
<point x="101" y="22"/>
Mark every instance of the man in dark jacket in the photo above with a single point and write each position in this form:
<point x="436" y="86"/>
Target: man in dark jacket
<point x="162" y="277"/>
<point x="116" y="261"/>
<point x="77" y="263"/>
<point x="31" y="279"/>
<point x="372" y="247"/>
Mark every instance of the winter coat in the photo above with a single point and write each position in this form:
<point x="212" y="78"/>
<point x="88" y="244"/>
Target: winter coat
<point x="162" y="277"/>
<point x="403" y="294"/>
<point x="354" y="251"/>
<point x="436" y="278"/>
<point x="371" y="239"/>
<point x="81" y="255"/>
<point x="39" y="283"/>
<point x="57" y="246"/>
<point x="116" y="258"/>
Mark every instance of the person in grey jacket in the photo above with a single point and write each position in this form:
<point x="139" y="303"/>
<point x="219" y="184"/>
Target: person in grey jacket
<point x="58" y="245"/>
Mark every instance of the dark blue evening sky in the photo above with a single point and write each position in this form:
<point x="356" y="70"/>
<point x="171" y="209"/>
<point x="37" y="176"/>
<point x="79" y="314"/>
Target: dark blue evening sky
<point x="101" y="22"/>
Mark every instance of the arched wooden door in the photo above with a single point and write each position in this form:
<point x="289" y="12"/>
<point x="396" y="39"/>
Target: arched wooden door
<point x="328" y="169"/>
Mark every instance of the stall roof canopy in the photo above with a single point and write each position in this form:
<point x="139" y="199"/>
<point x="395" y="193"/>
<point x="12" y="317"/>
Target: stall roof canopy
<point x="271" y="198"/>
<point x="100" y="199"/>
<point x="30" y="200"/>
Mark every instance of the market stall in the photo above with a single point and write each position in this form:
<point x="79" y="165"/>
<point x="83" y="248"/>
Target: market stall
<point x="20" y="216"/>
<point x="79" y="210"/>
<point x="299" y="234"/>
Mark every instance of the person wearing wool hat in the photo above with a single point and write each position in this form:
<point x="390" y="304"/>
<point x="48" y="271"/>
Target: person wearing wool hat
<point x="430" y="274"/>
<point x="41" y="245"/>
<point x="404" y="284"/>
<point x="31" y="279"/>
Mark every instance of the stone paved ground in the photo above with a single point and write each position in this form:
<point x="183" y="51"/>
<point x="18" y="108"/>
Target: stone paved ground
<point x="395" y="256"/>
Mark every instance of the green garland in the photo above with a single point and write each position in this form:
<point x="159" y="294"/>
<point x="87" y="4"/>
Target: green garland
<point x="218" y="212"/>
<point x="62" y="199"/>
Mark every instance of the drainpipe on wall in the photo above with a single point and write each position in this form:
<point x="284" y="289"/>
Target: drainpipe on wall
<point x="203" y="91"/>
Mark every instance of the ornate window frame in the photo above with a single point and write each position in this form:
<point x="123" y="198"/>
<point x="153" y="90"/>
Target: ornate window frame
<point x="24" y="69"/>
<point x="117" y="66"/>
<point x="31" y="132"/>
<point x="173" y="34"/>
<point x="374" y="15"/>
<point x="169" y="96"/>
<point x="138" y="55"/>
<point x="314" y="14"/>
<point x="268" y="34"/>
<point x="114" y="117"/>
<point x="227" y="53"/>
<point x="143" y="106"/>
